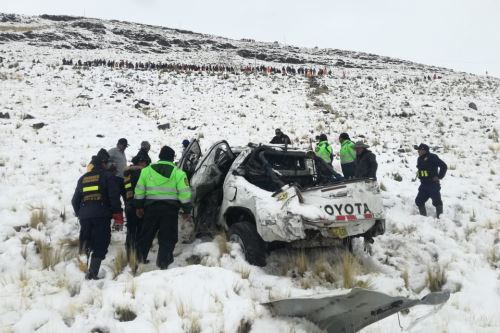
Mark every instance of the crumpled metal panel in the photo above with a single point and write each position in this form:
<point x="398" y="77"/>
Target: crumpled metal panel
<point x="350" y="312"/>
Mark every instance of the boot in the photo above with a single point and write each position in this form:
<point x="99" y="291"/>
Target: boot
<point x="422" y="210"/>
<point x="439" y="211"/>
<point x="95" y="264"/>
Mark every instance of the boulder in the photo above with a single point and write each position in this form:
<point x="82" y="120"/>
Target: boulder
<point x="473" y="106"/>
<point x="164" y="126"/>
<point x="4" y="115"/>
<point x="38" y="125"/>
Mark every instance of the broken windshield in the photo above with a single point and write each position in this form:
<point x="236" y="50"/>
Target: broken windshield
<point x="271" y="169"/>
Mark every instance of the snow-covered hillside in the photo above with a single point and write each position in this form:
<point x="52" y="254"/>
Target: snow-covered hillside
<point x="210" y="288"/>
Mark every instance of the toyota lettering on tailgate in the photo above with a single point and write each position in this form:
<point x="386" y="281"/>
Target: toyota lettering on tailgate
<point x="347" y="209"/>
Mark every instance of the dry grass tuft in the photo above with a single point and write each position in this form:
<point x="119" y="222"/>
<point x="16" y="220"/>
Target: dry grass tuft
<point x="350" y="269"/>
<point x="222" y="244"/>
<point x="406" y="279"/>
<point x="38" y="217"/>
<point x="244" y="272"/>
<point x="436" y="279"/>
<point x="194" y="325"/>
<point x="51" y="256"/>
<point x="119" y="263"/>
<point x="301" y="262"/>
<point x="124" y="314"/>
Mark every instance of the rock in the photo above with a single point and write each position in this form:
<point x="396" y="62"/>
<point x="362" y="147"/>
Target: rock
<point x="192" y="128"/>
<point x="100" y="136"/>
<point x="4" y="115"/>
<point x="27" y="116"/>
<point x="473" y="106"/>
<point x="164" y="126"/>
<point x="38" y="125"/>
<point x="143" y="102"/>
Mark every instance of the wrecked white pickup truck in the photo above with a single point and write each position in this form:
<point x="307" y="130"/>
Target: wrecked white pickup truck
<point x="272" y="194"/>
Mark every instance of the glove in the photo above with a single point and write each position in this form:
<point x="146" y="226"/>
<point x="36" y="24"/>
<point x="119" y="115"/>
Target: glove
<point x="139" y="212"/>
<point x="118" y="221"/>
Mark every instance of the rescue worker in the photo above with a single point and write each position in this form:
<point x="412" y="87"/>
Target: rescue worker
<point x="161" y="190"/>
<point x="117" y="156"/>
<point x="96" y="200"/>
<point x="323" y="149"/>
<point x="366" y="162"/>
<point x="347" y="156"/>
<point x="134" y="223"/>
<point x="428" y="165"/>
<point x="280" y="138"/>
<point x="185" y="144"/>
<point x="143" y="152"/>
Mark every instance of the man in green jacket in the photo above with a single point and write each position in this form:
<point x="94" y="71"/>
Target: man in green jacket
<point x="162" y="189"/>
<point x="347" y="156"/>
<point x="323" y="149"/>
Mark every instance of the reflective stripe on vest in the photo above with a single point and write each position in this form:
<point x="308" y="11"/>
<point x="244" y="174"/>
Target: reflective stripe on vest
<point x="91" y="188"/>
<point x="423" y="173"/>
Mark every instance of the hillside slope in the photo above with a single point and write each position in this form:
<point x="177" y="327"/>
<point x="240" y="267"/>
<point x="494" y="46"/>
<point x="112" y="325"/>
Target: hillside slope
<point x="210" y="288"/>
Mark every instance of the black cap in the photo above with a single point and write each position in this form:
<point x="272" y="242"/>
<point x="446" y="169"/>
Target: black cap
<point x="167" y="154"/>
<point x="123" y="141"/>
<point x="422" y="146"/>
<point x="344" y="136"/>
<point x="141" y="157"/>
<point x="101" y="157"/>
<point x="322" y="137"/>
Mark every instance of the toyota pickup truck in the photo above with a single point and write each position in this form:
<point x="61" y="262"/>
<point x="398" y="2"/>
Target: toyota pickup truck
<point x="263" y="195"/>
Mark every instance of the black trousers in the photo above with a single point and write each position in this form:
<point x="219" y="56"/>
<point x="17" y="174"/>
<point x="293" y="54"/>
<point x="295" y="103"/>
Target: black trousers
<point x="429" y="190"/>
<point x="134" y="225"/>
<point x="348" y="169"/>
<point x="159" y="219"/>
<point x="95" y="236"/>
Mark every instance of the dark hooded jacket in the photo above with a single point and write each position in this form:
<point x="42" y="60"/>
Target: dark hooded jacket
<point x="366" y="165"/>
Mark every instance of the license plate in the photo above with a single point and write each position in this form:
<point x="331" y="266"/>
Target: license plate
<point x="339" y="232"/>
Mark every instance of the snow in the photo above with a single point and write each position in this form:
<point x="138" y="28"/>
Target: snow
<point x="221" y="292"/>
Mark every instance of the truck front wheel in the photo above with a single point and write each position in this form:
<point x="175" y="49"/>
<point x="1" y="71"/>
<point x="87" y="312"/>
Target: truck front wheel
<point x="254" y="248"/>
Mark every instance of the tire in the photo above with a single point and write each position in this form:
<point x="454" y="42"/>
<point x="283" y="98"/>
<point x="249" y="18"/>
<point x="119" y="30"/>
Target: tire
<point x="245" y="233"/>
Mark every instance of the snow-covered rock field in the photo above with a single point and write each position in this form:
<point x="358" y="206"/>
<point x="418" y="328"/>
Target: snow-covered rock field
<point x="210" y="287"/>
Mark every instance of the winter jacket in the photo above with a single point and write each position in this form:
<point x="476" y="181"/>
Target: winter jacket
<point x="366" y="165"/>
<point x="131" y="174"/>
<point x="325" y="151"/>
<point x="163" y="182"/>
<point x="119" y="159"/>
<point x="347" y="152"/>
<point x="282" y="139"/>
<point x="428" y="165"/>
<point x="97" y="194"/>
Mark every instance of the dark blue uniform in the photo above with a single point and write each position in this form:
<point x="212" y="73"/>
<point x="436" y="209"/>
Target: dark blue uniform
<point x="134" y="223"/>
<point x="96" y="198"/>
<point x="430" y="166"/>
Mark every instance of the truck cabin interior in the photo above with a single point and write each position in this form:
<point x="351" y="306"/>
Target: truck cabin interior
<point x="271" y="169"/>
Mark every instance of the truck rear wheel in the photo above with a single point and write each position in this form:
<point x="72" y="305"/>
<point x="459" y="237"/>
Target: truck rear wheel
<point x="254" y="248"/>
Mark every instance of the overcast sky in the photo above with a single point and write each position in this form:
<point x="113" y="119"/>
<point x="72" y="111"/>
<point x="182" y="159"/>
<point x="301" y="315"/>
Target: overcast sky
<point x="459" y="34"/>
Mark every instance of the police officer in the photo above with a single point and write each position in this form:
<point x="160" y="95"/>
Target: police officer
<point x="96" y="200"/>
<point x="161" y="190"/>
<point x="429" y="175"/>
<point x="134" y="223"/>
<point x="323" y="149"/>
<point x="280" y="138"/>
<point x="347" y="156"/>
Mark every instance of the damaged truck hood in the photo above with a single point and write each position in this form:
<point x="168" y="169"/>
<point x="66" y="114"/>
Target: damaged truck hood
<point x="350" y="312"/>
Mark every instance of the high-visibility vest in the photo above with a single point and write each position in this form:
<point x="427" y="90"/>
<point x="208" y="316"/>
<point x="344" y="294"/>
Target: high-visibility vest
<point x="324" y="150"/>
<point x="152" y="186"/>
<point x="347" y="152"/>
